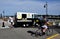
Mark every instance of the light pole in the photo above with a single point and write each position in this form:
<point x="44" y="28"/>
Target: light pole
<point x="46" y="6"/>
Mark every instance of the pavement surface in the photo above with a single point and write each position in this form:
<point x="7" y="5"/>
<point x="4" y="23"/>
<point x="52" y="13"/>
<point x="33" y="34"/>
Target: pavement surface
<point x="21" y="33"/>
<point x="6" y="23"/>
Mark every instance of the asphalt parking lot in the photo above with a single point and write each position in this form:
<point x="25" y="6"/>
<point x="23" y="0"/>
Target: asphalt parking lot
<point x="21" y="33"/>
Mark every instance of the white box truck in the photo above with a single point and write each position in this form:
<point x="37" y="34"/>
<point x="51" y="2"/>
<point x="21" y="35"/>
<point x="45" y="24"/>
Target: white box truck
<point x="24" y="19"/>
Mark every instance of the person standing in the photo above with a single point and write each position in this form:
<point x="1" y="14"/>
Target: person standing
<point x="11" y="21"/>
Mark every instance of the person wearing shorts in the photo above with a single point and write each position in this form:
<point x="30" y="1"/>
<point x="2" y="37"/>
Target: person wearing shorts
<point x="43" y="24"/>
<point x="44" y="28"/>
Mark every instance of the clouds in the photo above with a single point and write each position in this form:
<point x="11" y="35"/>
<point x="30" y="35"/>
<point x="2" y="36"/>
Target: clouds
<point x="13" y="6"/>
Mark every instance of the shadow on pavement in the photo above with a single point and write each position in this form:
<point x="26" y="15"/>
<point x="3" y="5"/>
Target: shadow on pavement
<point x="57" y="28"/>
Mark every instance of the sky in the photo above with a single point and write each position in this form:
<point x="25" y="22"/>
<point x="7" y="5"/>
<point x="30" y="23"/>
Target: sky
<point x="10" y="7"/>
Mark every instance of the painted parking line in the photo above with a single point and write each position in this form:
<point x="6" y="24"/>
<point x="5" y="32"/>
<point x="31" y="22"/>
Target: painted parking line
<point x="51" y="37"/>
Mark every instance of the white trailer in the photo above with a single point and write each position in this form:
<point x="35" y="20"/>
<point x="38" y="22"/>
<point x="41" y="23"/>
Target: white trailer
<point x="24" y="19"/>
